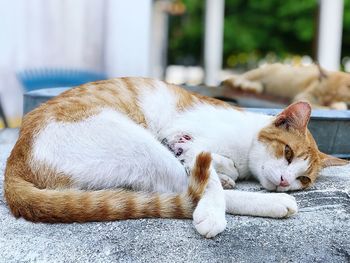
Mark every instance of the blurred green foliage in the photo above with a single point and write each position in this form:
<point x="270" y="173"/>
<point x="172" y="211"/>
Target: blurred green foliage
<point x="186" y="34"/>
<point x="254" y="29"/>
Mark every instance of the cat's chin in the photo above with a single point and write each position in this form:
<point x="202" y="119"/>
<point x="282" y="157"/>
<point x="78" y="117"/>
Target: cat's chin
<point x="282" y="189"/>
<point x="268" y="185"/>
<point x="273" y="187"/>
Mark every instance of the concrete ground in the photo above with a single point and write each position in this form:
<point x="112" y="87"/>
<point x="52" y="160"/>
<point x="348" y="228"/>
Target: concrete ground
<point x="320" y="232"/>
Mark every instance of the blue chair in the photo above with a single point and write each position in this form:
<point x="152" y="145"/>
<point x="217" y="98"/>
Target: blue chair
<point x="55" y="77"/>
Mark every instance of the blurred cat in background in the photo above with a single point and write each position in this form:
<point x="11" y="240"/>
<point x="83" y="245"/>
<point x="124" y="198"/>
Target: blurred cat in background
<point x="319" y="87"/>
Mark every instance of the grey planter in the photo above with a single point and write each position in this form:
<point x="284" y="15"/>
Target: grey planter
<point x="330" y="128"/>
<point x="33" y="99"/>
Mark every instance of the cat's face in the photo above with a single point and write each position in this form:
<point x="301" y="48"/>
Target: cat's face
<point x="285" y="156"/>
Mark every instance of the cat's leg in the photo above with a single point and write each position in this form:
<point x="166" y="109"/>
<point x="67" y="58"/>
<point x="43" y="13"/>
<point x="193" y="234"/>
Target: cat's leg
<point x="251" y="80"/>
<point x="254" y="80"/>
<point x="226" y="170"/>
<point x="274" y="205"/>
<point x="240" y="82"/>
<point x="261" y="72"/>
<point x="209" y="215"/>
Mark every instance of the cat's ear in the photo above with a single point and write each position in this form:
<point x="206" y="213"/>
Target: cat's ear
<point x="296" y="116"/>
<point x="328" y="160"/>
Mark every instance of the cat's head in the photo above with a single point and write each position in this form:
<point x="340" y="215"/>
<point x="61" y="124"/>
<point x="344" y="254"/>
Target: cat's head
<point x="285" y="156"/>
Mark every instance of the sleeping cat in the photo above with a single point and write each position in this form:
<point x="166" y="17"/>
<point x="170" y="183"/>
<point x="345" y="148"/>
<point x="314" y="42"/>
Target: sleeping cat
<point x="97" y="153"/>
<point x="321" y="88"/>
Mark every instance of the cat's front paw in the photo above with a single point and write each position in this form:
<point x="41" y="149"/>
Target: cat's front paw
<point x="209" y="219"/>
<point x="225" y="166"/>
<point x="281" y="206"/>
<point x="226" y="182"/>
<point x="244" y="84"/>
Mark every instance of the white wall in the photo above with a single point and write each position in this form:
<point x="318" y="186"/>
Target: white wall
<point x="330" y="33"/>
<point x="128" y="36"/>
<point x="213" y="41"/>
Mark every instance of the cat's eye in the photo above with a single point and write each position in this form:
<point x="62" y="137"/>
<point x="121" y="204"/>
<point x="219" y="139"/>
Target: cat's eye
<point x="288" y="154"/>
<point x="304" y="180"/>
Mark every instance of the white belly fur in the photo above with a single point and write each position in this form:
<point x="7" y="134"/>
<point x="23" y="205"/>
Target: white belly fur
<point x="109" y="150"/>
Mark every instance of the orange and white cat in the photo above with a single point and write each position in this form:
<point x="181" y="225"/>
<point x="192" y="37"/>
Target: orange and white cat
<point x="321" y="88"/>
<point x="97" y="153"/>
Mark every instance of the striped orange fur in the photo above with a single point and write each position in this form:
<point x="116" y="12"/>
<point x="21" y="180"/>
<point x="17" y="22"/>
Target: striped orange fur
<point x="70" y="205"/>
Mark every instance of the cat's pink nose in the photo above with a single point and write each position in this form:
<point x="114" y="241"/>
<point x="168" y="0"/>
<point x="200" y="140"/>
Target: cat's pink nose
<point x="284" y="182"/>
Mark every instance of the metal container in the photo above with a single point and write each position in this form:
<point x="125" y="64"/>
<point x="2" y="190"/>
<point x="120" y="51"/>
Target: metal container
<point x="33" y="99"/>
<point x="330" y="128"/>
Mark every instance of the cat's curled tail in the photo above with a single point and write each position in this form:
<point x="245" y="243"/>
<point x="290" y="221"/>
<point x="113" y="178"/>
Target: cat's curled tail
<point x="71" y="205"/>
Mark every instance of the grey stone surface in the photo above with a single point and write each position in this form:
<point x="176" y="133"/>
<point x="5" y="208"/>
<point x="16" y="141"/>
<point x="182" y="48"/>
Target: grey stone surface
<point x="320" y="232"/>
